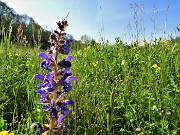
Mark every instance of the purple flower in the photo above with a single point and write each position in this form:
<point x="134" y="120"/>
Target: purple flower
<point x="66" y="87"/>
<point x="70" y="78"/>
<point x="52" y="38"/>
<point x="40" y="128"/>
<point x="48" y="88"/>
<point x="47" y="82"/>
<point x="65" y="75"/>
<point x="65" y="111"/>
<point x="65" y="63"/>
<point x="43" y="95"/>
<point x="38" y="125"/>
<point x="68" y="102"/>
<point x="46" y="62"/>
<point x="51" y="108"/>
<point x="66" y="84"/>
<point x="67" y="42"/>
<point x="61" y="117"/>
<point x="65" y="49"/>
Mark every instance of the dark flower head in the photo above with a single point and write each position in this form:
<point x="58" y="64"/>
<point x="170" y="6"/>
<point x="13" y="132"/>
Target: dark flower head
<point x="53" y="38"/>
<point x="53" y="113"/>
<point x="50" y="107"/>
<point x="56" y="32"/>
<point x="65" y="22"/>
<point x="62" y="25"/>
<point x="65" y="62"/>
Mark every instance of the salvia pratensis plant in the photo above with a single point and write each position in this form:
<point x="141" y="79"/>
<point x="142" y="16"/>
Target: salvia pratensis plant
<point x="55" y="83"/>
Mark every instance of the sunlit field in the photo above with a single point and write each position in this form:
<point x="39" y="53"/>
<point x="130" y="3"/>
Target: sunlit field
<point x="145" y="81"/>
<point x="121" y="89"/>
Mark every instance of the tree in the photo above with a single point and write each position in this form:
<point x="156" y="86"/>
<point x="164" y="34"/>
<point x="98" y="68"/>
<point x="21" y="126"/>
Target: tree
<point x="85" y="39"/>
<point x="30" y="28"/>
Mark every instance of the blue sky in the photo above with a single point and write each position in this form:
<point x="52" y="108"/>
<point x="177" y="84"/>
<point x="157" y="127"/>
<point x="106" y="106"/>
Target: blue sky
<point x="87" y="16"/>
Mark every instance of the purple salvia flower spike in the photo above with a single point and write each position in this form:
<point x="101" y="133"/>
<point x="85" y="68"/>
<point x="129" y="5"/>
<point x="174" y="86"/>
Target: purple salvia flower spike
<point x="49" y="78"/>
<point x="70" y="78"/>
<point x="48" y="88"/>
<point x="68" y="58"/>
<point x="66" y="111"/>
<point x="66" y="50"/>
<point x="67" y="42"/>
<point x="43" y="55"/>
<point x="43" y="94"/>
<point x="39" y="76"/>
<point x="68" y="102"/>
<point x="52" y="103"/>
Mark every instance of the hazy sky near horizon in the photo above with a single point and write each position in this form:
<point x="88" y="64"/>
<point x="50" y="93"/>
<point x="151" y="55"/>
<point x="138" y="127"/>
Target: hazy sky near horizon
<point x="90" y="16"/>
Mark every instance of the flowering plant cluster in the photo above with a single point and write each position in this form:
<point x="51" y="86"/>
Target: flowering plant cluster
<point x="56" y="82"/>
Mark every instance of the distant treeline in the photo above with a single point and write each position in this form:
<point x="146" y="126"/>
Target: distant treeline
<point x="25" y="30"/>
<point x="23" y="27"/>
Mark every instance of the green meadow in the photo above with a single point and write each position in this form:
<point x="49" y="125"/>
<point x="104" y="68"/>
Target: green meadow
<point x="119" y="89"/>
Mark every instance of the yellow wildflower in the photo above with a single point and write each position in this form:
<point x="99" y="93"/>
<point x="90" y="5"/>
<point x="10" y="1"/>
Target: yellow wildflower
<point x="156" y="41"/>
<point x="166" y="42"/>
<point x="10" y="54"/>
<point x="17" y="54"/>
<point x="45" y="133"/>
<point x="94" y="64"/>
<point x="38" y="110"/>
<point x="78" y="52"/>
<point x="4" y="133"/>
<point x="46" y="125"/>
<point x="155" y="66"/>
<point x="158" y="68"/>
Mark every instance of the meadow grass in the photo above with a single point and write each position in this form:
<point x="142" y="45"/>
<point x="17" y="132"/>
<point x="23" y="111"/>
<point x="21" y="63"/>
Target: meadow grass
<point x="145" y="80"/>
<point x="120" y="89"/>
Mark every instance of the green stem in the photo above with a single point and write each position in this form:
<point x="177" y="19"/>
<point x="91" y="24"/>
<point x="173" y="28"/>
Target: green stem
<point x="109" y="112"/>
